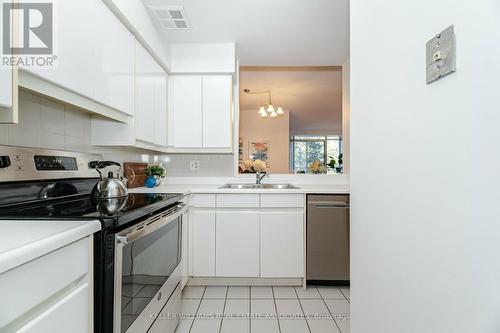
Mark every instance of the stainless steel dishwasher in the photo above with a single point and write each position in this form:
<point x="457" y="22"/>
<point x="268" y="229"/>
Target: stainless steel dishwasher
<point x="328" y="239"/>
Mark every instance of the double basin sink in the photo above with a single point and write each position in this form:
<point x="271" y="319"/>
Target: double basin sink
<point x="259" y="186"/>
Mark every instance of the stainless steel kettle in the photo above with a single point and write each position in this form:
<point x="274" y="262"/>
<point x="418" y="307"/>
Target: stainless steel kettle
<point x="108" y="187"/>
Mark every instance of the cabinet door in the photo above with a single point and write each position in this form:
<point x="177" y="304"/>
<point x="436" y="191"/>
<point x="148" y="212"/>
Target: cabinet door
<point x="186" y="106"/>
<point x="76" y="64"/>
<point x="6" y="84"/>
<point x="217" y="111"/>
<point x="160" y="108"/>
<point x="237" y="246"/>
<point x="114" y="48"/>
<point x="282" y="244"/>
<point x="8" y="96"/>
<point x="145" y="68"/>
<point x="203" y="243"/>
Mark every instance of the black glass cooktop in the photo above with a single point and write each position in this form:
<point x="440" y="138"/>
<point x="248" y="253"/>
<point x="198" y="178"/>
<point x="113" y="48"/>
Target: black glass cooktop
<point x="115" y="211"/>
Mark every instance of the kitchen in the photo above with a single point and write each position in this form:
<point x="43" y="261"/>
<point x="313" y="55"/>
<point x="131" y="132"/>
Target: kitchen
<point x="186" y="166"/>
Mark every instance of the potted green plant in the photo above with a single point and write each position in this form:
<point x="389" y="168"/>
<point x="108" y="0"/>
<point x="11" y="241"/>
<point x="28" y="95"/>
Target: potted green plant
<point x="157" y="172"/>
<point x="332" y="162"/>
<point x="340" y="166"/>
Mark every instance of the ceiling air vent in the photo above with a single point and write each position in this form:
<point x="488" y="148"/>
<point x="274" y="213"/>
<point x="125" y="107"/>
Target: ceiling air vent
<point x="170" y="17"/>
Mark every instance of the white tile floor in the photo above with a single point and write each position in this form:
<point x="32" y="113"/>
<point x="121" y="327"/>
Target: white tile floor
<point x="265" y="310"/>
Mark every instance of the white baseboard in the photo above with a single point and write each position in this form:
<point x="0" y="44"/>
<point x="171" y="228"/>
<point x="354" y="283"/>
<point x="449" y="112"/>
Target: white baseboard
<point x="215" y="281"/>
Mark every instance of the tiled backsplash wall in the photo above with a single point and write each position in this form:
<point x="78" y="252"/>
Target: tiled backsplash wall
<point x="44" y="123"/>
<point x="210" y="165"/>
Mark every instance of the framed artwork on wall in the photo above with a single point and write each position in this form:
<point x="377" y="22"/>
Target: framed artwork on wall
<point x="259" y="150"/>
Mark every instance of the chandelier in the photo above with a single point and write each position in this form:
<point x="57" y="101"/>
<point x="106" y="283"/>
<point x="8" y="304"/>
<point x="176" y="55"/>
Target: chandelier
<point x="266" y="110"/>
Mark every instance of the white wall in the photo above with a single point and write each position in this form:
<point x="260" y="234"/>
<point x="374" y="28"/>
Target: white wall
<point x="346" y="111"/>
<point x="425" y="163"/>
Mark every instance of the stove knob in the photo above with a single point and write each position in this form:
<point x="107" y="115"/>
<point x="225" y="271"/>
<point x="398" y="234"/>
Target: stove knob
<point x="4" y="162"/>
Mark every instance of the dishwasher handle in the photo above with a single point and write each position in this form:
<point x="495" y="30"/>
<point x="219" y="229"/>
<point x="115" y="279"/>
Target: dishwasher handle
<point x="332" y="204"/>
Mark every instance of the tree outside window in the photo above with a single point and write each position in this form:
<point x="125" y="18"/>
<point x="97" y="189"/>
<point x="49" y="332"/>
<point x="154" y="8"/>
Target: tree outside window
<point x="305" y="150"/>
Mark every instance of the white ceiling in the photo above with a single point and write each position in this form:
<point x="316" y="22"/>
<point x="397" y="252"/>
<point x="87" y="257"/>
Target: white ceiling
<point x="269" y="32"/>
<point x="313" y="96"/>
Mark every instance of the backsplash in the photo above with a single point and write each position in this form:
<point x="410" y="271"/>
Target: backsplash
<point x="210" y="165"/>
<point x="44" y="123"/>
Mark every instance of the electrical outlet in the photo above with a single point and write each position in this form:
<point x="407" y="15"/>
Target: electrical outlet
<point x="194" y="165"/>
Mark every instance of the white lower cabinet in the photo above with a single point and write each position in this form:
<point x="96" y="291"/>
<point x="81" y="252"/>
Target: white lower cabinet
<point x="247" y="235"/>
<point x="51" y="293"/>
<point x="67" y="315"/>
<point x="237" y="244"/>
<point x="281" y="244"/>
<point x="203" y="243"/>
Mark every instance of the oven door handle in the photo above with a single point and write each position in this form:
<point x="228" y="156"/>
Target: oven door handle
<point x="138" y="231"/>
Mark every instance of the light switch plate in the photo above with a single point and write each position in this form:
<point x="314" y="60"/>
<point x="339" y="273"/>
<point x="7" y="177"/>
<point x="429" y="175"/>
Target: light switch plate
<point x="441" y="55"/>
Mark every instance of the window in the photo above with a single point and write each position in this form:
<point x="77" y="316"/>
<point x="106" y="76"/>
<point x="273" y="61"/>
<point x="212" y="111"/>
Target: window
<point x="304" y="150"/>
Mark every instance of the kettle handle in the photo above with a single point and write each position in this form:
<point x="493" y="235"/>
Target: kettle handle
<point x="102" y="164"/>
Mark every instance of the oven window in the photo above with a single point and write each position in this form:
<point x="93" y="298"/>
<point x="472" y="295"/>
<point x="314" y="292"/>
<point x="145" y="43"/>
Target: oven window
<point x="147" y="264"/>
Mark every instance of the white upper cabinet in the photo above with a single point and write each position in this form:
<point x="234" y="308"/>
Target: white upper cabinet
<point x="150" y="98"/>
<point x="201" y="111"/>
<point x="114" y="81"/>
<point x="144" y="94"/>
<point x="160" y="108"/>
<point x="76" y="42"/>
<point x="148" y="128"/>
<point x="7" y="85"/>
<point x="95" y="62"/>
<point x="186" y="110"/>
<point x="8" y="95"/>
<point x="217" y="111"/>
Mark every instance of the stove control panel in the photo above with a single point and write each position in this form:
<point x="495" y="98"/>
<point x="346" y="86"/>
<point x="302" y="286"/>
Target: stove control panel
<point x="4" y="161"/>
<point x="47" y="163"/>
<point x="19" y="163"/>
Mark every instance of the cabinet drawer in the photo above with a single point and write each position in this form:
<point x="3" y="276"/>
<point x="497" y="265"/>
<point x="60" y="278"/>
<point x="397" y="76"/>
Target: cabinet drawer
<point x="41" y="278"/>
<point x="282" y="200"/>
<point x="70" y="314"/>
<point x="203" y="200"/>
<point x="237" y="200"/>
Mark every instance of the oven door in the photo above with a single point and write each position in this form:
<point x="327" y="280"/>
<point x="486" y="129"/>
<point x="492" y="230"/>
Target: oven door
<point x="147" y="270"/>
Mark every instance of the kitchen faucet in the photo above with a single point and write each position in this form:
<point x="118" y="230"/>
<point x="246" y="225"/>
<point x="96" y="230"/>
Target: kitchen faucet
<point x="259" y="176"/>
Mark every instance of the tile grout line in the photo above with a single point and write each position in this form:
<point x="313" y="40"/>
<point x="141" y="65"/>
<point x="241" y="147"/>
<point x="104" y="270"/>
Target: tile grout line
<point x="300" y="304"/>
<point x="197" y="309"/>
<point x="276" y="310"/>
<point x="330" y="312"/>
<point x="224" y="309"/>
<point x="348" y="300"/>
<point x="250" y="310"/>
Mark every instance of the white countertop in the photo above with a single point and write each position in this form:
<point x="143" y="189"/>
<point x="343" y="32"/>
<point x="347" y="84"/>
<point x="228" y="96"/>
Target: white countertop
<point x="215" y="188"/>
<point x="25" y="240"/>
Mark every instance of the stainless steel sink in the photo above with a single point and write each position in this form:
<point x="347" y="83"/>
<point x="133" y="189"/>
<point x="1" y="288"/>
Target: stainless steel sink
<point x="260" y="186"/>
<point x="279" y="186"/>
